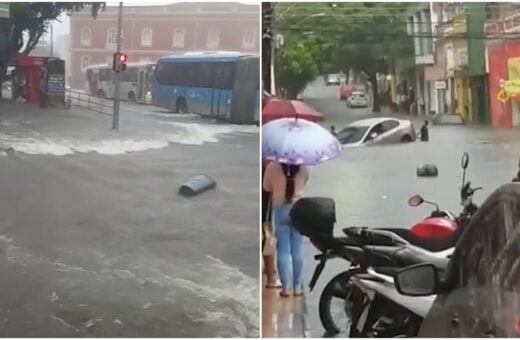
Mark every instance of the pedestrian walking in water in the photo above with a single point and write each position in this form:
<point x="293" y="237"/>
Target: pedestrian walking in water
<point x="424" y="132"/>
<point x="286" y="184"/>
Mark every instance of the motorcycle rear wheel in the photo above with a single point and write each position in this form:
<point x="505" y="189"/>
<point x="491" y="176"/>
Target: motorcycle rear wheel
<point x="338" y="287"/>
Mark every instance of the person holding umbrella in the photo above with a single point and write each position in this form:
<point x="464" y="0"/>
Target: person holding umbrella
<point x="291" y="145"/>
<point x="286" y="183"/>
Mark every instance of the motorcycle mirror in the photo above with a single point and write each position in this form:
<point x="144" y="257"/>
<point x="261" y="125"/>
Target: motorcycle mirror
<point x="417" y="280"/>
<point x="464" y="161"/>
<point x="415" y="201"/>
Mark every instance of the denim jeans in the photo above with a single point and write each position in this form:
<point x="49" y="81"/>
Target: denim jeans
<point x="289" y="248"/>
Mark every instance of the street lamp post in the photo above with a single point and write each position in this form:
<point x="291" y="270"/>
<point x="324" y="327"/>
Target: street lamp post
<point x="115" y="116"/>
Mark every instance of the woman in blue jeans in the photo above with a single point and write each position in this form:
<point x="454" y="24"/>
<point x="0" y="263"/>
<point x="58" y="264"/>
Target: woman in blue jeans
<point x="286" y="184"/>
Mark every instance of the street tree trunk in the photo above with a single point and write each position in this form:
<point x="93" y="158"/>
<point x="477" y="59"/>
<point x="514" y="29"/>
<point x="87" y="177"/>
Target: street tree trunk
<point x="375" y="93"/>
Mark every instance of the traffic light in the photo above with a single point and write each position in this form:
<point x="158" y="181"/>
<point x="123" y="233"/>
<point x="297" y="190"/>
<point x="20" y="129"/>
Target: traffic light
<point x="119" y="62"/>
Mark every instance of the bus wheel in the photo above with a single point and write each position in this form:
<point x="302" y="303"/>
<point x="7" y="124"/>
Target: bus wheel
<point x="181" y="106"/>
<point x="131" y="96"/>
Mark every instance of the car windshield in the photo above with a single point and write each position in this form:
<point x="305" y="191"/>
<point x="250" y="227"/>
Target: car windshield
<point x="351" y="134"/>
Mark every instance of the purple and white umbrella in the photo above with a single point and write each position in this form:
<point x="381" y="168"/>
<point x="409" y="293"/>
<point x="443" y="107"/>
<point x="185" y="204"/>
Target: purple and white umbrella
<point x="298" y="142"/>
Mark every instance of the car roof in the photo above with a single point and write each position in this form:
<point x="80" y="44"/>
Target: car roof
<point x="358" y="92"/>
<point x="372" y="121"/>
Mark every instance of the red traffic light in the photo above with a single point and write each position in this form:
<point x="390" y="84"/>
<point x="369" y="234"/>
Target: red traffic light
<point x="122" y="58"/>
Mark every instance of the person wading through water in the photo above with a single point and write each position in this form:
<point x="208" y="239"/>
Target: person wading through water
<point x="425" y="134"/>
<point x="286" y="184"/>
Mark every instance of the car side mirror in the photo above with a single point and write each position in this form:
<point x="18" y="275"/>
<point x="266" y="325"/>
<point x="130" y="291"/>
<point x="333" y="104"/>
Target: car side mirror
<point x="417" y="280"/>
<point x="373" y="135"/>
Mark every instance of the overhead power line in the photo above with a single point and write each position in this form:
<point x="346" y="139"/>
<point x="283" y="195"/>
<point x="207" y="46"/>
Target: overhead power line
<point x="415" y="35"/>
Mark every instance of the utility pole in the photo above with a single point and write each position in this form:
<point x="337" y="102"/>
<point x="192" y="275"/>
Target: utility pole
<point x="267" y="39"/>
<point x="117" y="87"/>
<point x="52" y="41"/>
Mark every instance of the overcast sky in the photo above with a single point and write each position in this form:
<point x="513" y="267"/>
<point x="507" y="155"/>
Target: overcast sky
<point x="61" y="26"/>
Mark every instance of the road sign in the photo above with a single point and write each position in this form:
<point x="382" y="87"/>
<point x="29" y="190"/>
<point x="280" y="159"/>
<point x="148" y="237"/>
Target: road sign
<point x="440" y="85"/>
<point x="503" y="96"/>
<point x="512" y="87"/>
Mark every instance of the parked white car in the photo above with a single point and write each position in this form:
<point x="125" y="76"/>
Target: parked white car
<point x="357" y="99"/>
<point x="375" y="131"/>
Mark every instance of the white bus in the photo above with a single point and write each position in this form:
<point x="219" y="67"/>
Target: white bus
<point x="136" y="81"/>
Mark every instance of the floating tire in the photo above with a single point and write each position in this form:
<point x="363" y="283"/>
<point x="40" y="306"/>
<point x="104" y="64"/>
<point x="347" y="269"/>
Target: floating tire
<point x="427" y="170"/>
<point x="197" y="185"/>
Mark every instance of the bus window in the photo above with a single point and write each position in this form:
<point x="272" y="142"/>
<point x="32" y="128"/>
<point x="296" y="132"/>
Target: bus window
<point x="89" y="75"/>
<point x="130" y="75"/>
<point x="224" y="75"/>
<point x="105" y="75"/>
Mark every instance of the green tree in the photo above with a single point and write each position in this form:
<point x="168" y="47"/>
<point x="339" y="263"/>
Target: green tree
<point x="365" y="37"/>
<point x="29" y="21"/>
<point x="296" y="67"/>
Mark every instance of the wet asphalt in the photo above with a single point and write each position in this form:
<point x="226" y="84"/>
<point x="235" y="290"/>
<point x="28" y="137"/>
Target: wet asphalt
<point x="102" y="245"/>
<point x="371" y="185"/>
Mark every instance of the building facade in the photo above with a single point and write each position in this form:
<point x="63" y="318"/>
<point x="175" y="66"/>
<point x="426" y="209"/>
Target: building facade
<point x="151" y="32"/>
<point x="503" y="62"/>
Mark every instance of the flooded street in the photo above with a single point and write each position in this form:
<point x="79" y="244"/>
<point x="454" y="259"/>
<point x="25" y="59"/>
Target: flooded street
<point x="95" y="241"/>
<point x="371" y="185"/>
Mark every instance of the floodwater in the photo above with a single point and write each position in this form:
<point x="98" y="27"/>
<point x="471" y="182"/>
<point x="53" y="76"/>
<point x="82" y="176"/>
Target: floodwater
<point x="371" y="185"/>
<point x="95" y="241"/>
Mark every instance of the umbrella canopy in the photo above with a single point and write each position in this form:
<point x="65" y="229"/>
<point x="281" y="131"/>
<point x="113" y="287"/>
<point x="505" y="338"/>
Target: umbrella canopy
<point x="283" y="108"/>
<point x="266" y="97"/>
<point x="298" y="142"/>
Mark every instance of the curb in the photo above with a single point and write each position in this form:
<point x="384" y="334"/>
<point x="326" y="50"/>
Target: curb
<point x="305" y="320"/>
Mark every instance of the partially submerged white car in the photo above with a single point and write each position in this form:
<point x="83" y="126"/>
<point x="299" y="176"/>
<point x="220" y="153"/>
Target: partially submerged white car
<point x="375" y="131"/>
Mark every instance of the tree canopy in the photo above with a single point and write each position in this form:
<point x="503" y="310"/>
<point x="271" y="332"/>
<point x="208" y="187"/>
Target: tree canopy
<point x="29" y="21"/>
<point x="365" y="37"/>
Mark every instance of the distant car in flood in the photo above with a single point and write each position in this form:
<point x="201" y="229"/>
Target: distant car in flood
<point x="375" y="131"/>
<point x="345" y="91"/>
<point x="332" y="79"/>
<point x="357" y="99"/>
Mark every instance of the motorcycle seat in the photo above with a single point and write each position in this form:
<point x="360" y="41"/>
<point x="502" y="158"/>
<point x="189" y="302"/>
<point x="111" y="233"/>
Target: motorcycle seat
<point x="409" y="255"/>
<point x="433" y="245"/>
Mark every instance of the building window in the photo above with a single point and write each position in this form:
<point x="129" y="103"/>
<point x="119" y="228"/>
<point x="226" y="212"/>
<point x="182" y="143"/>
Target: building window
<point x="85" y="62"/>
<point x="146" y="37"/>
<point x="178" y="37"/>
<point x="86" y="36"/>
<point x="248" y="39"/>
<point x="112" y="36"/>
<point x="213" y="39"/>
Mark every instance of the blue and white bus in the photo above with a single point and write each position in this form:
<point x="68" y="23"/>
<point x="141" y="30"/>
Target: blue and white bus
<point x="222" y="85"/>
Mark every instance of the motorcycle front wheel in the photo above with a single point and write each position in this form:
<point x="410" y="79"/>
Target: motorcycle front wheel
<point x="333" y="306"/>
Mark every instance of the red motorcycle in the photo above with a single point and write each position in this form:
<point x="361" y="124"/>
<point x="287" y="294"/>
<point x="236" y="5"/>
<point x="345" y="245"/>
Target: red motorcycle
<point x="315" y="218"/>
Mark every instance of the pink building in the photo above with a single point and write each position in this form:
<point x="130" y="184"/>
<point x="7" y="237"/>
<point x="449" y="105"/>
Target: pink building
<point x="155" y="31"/>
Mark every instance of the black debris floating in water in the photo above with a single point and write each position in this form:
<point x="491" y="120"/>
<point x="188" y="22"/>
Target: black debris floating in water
<point x="197" y="185"/>
<point x="427" y="170"/>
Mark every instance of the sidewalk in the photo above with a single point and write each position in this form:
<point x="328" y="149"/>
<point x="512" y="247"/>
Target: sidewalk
<point x="283" y="317"/>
